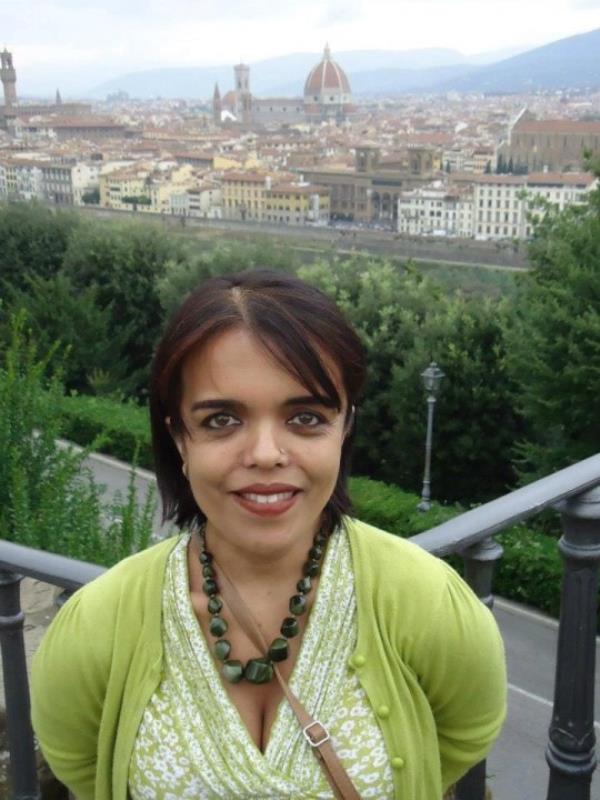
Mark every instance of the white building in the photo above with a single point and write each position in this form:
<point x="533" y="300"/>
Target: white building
<point x="85" y="179"/>
<point x="503" y="202"/>
<point x="203" y="200"/>
<point x="433" y="211"/>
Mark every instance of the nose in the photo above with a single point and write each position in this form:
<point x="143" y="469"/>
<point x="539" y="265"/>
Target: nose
<point x="263" y="447"/>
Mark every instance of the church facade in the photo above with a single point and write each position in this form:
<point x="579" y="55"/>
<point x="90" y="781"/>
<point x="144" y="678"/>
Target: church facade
<point x="327" y="96"/>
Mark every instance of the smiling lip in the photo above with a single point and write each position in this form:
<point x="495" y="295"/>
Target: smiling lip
<point x="248" y="498"/>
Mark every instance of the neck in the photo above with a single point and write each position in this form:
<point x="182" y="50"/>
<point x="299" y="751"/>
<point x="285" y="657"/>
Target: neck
<point x="247" y="566"/>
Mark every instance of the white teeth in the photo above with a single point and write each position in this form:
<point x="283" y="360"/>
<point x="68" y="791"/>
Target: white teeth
<point x="268" y="498"/>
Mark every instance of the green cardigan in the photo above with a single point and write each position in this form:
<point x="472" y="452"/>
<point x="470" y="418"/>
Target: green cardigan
<point x="429" y="657"/>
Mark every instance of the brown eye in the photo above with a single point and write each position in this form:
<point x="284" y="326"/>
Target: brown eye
<point x="308" y="419"/>
<point x="220" y="421"/>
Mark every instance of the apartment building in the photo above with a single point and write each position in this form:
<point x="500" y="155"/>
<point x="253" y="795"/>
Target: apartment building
<point x="243" y="194"/>
<point x="436" y="210"/>
<point x="502" y="202"/>
<point x="297" y="204"/>
<point x="202" y="200"/>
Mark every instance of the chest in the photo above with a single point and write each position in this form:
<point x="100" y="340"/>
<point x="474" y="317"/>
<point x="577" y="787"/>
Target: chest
<point x="257" y="705"/>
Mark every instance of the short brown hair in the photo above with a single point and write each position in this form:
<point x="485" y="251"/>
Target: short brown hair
<point x="293" y="321"/>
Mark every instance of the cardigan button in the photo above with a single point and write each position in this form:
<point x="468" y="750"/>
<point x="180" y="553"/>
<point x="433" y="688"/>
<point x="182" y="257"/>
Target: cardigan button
<point x="397" y="762"/>
<point x="383" y="711"/>
<point x="359" y="660"/>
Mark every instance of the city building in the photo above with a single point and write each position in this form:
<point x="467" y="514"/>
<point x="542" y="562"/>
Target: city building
<point x="327" y="96"/>
<point x="555" y="145"/>
<point x="296" y="204"/>
<point x="369" y="191"/>
<point x="436" y="211"/>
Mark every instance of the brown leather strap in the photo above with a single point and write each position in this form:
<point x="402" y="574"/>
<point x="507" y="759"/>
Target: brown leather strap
<point x="315" y="732"/>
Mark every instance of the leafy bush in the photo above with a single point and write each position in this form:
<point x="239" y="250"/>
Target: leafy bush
<point x="48" y="498"/>
<point x="121" y="428"/>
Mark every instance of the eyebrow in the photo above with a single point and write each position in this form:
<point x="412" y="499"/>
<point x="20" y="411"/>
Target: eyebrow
<point x="234" y="405"/>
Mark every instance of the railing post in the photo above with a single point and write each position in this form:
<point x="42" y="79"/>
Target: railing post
<point x="571" y="748"/>
<point x="480" y="560"/>
<point x="23" y="771"/>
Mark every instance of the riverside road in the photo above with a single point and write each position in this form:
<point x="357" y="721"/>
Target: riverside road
<point x="342" y="239"/>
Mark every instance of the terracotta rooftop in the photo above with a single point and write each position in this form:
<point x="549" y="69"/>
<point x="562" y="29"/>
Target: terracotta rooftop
<point x="326" y="75"/>
<point x="557" y="126"/>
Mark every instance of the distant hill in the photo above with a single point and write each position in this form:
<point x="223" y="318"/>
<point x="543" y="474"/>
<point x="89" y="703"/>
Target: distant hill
<point x="265" y="76"/>
<point x="567" y="63"/>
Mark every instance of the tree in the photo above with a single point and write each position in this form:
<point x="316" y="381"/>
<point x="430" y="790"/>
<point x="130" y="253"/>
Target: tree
<point x="488" y="168"/>
<point x="405" y="321"/>
<point x="500" y="164"/>
<point x="34" y="241"/>
<point x="91" y="197"/>
<point x="553" y="340"/>
<point x="93" y="349"/>
<point x="123" y="263"/>
<point x="510" y="165"/>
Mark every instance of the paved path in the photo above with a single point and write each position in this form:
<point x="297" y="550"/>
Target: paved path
<point x="516" y="768"/>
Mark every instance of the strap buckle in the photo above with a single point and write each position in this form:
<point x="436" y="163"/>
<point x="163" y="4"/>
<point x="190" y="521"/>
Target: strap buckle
<point x="315" y="742"/>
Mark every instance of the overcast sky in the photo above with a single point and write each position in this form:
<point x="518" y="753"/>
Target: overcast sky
<point x="58" y="40"/>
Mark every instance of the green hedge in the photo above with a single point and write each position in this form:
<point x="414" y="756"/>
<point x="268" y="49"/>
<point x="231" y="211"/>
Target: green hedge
<point x="529" y="572"/>
<point x="122" y="428"/>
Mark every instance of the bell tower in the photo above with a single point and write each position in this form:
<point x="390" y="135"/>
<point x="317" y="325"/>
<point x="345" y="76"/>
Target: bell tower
<point x="9" y="79"/>
<point x="216" y="105"/>
<point x="243" y="98"/>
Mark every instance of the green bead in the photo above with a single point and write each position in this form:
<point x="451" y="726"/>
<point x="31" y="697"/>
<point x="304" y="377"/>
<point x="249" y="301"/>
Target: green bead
<point x="233" y="671"/>
<point x="298" y="604"/>
<point x="209" y="587"/>
<point x="304" y="585"/>
<point x="205" y="557"/>
<point x="222" y="649"/>
<point x="279" y="650"/>
<point x="311" y="568"/>
<point x="208" y="571"/>
<point x="290" y="627"/>
<point x="218" y="626"/>
<point x="215" y="604"/>
<point x="315" y="552"/>
<point x="258" y="670"/>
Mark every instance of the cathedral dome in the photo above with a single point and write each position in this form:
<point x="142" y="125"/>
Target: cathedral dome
<point x="327" y="79"/>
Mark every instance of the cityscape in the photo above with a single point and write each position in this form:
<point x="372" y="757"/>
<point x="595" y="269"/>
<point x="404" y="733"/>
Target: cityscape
<point x="451" y="164"/>
<point x="240" y="243"/>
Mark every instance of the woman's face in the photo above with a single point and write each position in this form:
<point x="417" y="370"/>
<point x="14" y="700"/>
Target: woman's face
<point x="262" y="456"/>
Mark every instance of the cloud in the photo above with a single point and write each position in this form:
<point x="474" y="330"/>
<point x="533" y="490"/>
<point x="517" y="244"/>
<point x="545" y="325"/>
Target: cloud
<point x="341" y="12"/>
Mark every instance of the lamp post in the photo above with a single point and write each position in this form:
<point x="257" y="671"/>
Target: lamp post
<point x="432" y="378"/>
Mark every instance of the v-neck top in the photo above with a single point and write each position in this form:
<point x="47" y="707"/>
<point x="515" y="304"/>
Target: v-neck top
<point x="192" y="742"/>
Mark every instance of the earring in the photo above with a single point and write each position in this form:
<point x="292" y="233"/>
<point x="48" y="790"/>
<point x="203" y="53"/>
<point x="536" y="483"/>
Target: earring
<point x="184" y="469"/>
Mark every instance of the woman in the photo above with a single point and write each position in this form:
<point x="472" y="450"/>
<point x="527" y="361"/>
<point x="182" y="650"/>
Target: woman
<point x="149" y="684"/>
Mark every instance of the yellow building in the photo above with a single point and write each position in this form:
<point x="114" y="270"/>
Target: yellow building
<point x="243" y="194"/>
<point x="297" y="204"/>
<point x="144" y="188"/>
<point x="118" y="188"/>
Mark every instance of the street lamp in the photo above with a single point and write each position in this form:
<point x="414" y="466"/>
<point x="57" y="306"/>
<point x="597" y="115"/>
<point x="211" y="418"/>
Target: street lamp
<point x="432" y="378"/>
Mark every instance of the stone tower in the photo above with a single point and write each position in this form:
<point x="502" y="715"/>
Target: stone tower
<point x="243" y="98"/>
<point x="9" y="79"/>
<point x="58" y="100"/>
<point x="216" y="105"/>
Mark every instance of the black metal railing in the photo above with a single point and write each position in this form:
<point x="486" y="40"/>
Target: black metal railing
<point x="574" y="492"/>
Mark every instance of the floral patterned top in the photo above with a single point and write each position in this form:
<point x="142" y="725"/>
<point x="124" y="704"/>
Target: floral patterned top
<point x="192" y="742"/>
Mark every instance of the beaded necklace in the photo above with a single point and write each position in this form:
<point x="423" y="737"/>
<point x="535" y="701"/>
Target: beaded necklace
<point x="257" y="670"/>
